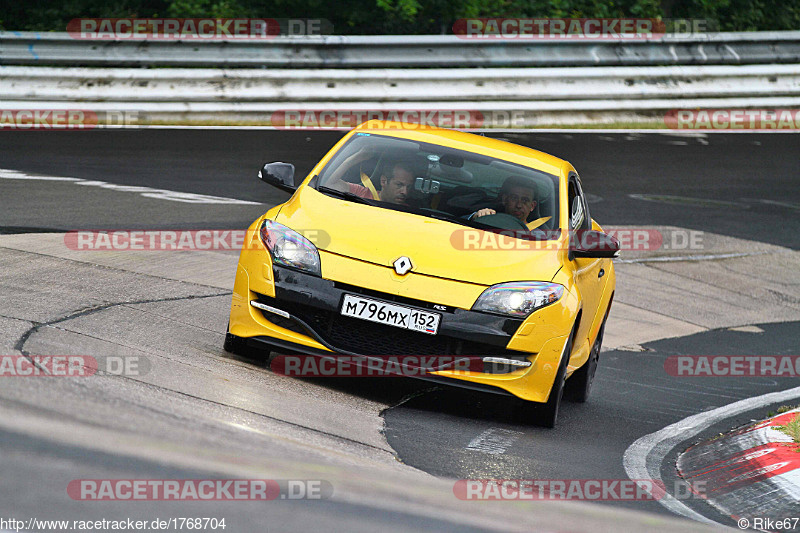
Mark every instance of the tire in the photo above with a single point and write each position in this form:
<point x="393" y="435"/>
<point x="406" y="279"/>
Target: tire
<point x="546" y="414"/>
<point x="233" y="344"/>
<point x="238" y="346"/>
<point x="580" y="383"/>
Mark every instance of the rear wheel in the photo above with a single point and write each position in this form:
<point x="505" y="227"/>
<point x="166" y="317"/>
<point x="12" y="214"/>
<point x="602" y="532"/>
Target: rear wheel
<point x="580" y="383"/>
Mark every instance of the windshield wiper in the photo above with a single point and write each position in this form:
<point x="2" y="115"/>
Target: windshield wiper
<point x="345" y="195"/>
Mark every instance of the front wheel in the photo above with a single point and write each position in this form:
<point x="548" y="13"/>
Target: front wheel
<point x="580" y="383"/>
<point x="238" y="346"/>
<point x="233" y="344"/>
<point x="546" y="414"/>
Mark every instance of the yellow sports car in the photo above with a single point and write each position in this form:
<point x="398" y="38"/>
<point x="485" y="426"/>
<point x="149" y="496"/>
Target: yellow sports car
<point x="426" y="244"/>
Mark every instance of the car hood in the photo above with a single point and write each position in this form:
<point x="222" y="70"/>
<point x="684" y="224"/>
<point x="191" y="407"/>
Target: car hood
<point x="435" y="247"/>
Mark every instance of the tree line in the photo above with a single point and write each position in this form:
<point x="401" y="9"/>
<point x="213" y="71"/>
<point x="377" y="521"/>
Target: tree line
<point x="404" y="17"/>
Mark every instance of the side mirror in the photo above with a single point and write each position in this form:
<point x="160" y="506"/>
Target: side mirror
<point x="593" y="244"/>
<point x="280" y="175"/>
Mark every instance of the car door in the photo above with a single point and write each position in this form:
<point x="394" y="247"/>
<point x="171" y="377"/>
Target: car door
<point x="588" y="272"/>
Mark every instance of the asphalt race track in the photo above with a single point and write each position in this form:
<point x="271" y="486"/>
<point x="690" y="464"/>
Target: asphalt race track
<point x="198" y="412"/>
<point x="433" y="431"/>
<point x="754" y="175"/>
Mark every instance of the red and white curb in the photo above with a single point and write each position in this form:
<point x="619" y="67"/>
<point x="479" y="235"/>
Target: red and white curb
<point x="748" y="473"/>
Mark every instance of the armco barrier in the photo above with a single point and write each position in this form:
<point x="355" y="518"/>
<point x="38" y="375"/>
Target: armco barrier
<point x="442" y="51"/>
<point x="397" y="85"/>
<point x="520" y="83"/>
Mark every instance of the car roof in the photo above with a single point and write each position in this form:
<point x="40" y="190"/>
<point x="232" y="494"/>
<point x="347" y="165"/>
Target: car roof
<point x="468" y="142"/>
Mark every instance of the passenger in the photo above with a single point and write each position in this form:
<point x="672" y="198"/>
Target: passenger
<point x="395" y="188"/>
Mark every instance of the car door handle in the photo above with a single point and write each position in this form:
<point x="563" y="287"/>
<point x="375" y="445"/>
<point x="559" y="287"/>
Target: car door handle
<point x="601" y="273"/>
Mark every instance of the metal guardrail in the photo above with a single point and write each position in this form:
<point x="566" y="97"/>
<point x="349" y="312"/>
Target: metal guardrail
<point x="30" y="48"/>
<point x="576" y="81"/>
<point x="397" y="87"/>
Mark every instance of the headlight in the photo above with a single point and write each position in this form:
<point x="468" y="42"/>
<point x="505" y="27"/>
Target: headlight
<point x="518" y="299"/>
<point x="289" y="248"/>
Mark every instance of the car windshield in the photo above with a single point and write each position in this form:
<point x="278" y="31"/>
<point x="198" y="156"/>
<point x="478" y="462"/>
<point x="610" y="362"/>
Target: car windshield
<point x="442" y="182"/>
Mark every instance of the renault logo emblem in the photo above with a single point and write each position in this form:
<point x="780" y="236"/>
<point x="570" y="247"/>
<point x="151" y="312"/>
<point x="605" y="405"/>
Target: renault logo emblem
<point x="402" y="265"/>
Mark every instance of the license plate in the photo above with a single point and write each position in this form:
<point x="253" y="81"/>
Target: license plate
<point x="390" y="314"/>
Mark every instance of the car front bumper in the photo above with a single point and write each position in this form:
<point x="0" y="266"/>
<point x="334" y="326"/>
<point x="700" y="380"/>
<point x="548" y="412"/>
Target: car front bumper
<point x="297" y="312"/>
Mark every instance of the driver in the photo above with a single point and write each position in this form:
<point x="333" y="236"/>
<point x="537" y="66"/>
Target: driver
<point x="517" y="198"/>
<point x="395" y="187"/>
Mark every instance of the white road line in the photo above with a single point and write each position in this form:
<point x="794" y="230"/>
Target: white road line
<point x="17" y="175"/>
<point x="686" y="200"/>
<point x="706" y="257"/>
<point x="796" y="207"/>
<point x="643" y="458"/>
<point x="148" y="192"/>
<point x="690" y="134"/>
<point x="494" y="441"/>
<point x="747" y="329"/>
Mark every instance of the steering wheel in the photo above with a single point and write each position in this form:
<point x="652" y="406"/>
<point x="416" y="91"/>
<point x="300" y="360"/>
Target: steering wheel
<point x="502" y="221"/>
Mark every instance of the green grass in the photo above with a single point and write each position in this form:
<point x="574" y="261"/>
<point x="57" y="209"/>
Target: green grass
<point x="782" y="409"/>
<point x="792" y="429"/>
